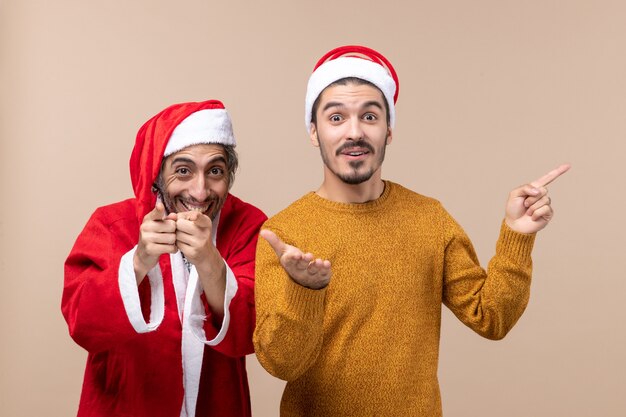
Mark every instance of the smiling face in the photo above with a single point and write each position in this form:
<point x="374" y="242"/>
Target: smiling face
<point x="195" y="178"/>
<point x="352" y="132"/>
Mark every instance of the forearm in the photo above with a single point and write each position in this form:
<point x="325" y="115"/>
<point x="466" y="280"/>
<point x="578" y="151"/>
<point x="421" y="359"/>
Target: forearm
<point x="213" y="280"/>
<point x="140" y="266"/>
<point x="231" y="332"/>
<point x="289" y="328"/>
<point x="102" y="303"/>
<point x="507" y="287"/>
<point x="489" y="302"/>
<point x="96" y="310"/>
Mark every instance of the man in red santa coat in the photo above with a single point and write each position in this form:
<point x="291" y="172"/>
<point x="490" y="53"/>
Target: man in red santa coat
<point x="159" y="288"/>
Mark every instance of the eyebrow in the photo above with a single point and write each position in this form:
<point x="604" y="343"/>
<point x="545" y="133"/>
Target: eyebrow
<point x="218" y="158"/>
<point x="181" y="159"/>
<point x="185" y="160"/>
<point x="370" y="103"/>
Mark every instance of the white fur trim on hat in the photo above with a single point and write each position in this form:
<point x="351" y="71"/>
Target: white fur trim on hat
<point x="344" y="67"/>
<point x="202" y="127"/>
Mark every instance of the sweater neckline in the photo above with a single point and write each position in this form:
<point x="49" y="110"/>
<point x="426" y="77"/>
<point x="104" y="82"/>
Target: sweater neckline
<point x="358" y="207"/>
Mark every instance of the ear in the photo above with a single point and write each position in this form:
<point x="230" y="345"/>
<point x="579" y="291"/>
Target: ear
<point x="313" y="136"/>
<point x="389" y="135"/>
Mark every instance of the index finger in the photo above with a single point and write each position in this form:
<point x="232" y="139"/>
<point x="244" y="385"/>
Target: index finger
<point x="158" y="213"/>
<point x="551" y="176"/>
<point x="197" y="218"/>
<point x="202" y="220"/>
<point x="274" y="241"/>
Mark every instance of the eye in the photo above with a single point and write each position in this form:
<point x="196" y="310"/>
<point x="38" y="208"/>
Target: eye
<point x="371" y="117"/>
<point x="335" y="118"/>
<point x="183" y="171"/>
<point x="216" y="171"/>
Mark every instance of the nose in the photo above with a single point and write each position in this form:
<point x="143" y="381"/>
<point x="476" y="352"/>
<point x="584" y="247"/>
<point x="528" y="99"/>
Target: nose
<point x="199" y="188"/>
<point x="355" y="130"/>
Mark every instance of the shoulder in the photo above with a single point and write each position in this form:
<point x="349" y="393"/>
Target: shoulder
<point x="410" y="207"/>
<point x="237" y="213"/>
<point x="293" y="213"/>
<point x="123" y="211"/>
<point x="403" y="196"/>
<point x="114" y="227"/>
<point x="236" y="205"/>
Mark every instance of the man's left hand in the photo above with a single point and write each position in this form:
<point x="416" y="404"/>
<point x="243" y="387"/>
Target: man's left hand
<point x="193" y="238"/>
<point x="529" y="209"/>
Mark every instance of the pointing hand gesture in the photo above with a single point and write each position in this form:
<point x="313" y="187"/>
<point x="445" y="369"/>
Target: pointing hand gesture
<point x="193" y="238"/>
<point x="528" y="209"/>
<point x="157" y="235"/>
<point x="303" y="268"/>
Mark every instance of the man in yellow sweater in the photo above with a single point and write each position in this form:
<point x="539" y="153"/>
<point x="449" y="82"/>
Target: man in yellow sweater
<point x="350" y="278"/>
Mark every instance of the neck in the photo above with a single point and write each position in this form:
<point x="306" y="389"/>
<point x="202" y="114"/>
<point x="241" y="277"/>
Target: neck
<point x="334" y="189"/>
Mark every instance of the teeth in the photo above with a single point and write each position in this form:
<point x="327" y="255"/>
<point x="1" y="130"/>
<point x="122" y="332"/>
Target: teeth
<point x="355" y="153"/>
<point x="200" y="209"/>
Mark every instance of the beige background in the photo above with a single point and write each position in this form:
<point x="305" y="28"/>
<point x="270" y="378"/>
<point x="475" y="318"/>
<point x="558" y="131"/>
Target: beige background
<point x="493" y="94"/>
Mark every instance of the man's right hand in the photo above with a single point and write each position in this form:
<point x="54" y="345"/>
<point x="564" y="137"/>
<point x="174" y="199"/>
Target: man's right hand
<point x="157" y="235"/>
<point x="303" y="268"/>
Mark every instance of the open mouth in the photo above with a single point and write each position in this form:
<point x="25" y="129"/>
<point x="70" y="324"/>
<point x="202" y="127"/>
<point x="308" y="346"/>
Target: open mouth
<point x="202" y="208"/>
<point x="354" y="153"/>
<point x="355" y="150"/>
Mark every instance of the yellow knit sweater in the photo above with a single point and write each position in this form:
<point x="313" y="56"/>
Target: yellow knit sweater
<point x="368" y="344"/>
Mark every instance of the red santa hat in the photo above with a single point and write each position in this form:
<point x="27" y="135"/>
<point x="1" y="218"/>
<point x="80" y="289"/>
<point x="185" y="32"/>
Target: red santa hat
<point x="169" y="131"/>
<point x="352" y="61"/>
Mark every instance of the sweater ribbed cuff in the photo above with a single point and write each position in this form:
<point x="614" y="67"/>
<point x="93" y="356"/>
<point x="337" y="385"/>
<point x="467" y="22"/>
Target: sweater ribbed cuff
<point x="303" y="301"/>
<point x="514" y="245"/>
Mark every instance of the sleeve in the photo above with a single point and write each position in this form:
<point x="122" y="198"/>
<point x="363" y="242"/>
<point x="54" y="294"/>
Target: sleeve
<point x="134" y="302"/>
<point x="490" y="303"/>
<point x="92" y="303"/>
<point x="231" y="335"/>
<point x="208" y="328"/>
<point x="290" y="318"/>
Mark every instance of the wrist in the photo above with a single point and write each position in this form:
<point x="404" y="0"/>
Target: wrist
<point x="140" y="266"/>
<point x="213" y="268"/>
<point x="311" y="285"/>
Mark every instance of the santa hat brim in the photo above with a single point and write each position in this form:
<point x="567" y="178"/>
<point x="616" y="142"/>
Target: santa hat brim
<point x="346" y="67"/>
<point x="209" y="126"/>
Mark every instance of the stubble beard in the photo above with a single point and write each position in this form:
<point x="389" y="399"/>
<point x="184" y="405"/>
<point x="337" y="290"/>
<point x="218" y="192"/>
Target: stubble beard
<point x="354" y="177"/>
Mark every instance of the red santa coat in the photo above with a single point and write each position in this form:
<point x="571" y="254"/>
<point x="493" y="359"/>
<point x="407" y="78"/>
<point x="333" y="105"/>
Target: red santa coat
<point x="156" y="350"/>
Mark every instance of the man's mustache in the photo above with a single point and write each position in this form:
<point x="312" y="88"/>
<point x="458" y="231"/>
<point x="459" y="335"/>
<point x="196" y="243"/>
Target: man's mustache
<point x="355" y="144"/>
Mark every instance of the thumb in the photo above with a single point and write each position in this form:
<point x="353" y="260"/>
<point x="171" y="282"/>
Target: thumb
<point x="274" y="241"/>
<point x="525" y="190"/>
<point x="158" y="213"/>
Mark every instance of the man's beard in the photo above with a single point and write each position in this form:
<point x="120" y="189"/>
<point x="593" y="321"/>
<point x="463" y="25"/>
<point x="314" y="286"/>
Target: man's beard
<point x="355" y="177"/>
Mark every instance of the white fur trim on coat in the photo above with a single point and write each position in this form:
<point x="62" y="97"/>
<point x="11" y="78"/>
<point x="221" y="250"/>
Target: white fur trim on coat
<point x="130" y="294"/>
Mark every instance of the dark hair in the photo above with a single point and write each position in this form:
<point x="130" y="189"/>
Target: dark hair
<point x="346" y="81"/>
<point x="232" y="162"/>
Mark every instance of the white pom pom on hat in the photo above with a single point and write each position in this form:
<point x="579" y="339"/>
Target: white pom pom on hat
<point x="352" y="61"/>
<point x="207" y="126"/>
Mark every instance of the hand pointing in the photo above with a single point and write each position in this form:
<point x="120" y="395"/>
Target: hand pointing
<point x="528" y="209"/>
<point x="157" y="235"/>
